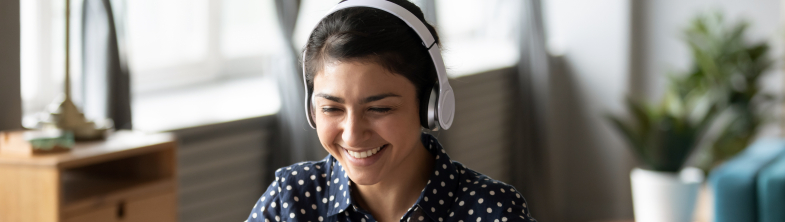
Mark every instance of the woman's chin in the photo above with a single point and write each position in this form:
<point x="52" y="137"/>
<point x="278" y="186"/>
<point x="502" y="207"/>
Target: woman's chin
<point x="365" y="178"/>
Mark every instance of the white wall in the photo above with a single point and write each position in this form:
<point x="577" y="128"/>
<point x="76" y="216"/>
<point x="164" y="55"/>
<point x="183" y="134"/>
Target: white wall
<point x="590" y="164"/>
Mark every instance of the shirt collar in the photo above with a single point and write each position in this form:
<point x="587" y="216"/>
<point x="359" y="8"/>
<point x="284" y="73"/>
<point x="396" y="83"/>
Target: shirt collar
<point x="437" y="196"/>
<point x="441" y="188"/>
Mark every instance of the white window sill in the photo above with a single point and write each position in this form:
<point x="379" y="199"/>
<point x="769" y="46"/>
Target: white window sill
<point x="209" y="104"/>
<point x="465" y="58"/>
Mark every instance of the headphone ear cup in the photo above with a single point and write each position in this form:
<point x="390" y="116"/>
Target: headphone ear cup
<point x="428" y="108"/>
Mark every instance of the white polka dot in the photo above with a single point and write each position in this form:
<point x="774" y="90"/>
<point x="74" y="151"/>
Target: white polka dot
<point x="434" y="191"/>
<point x="294" y="172"/>
<point x="461" y="203"/>
<point x="263" y="199"/>
<point x="313" y="206"/>
<point x="499" y="204"/>
<point x="296" y="199"/>
<point x="441" y="202"/>
<point x="425" y="198"/>
<point x="301" y="182"/>
<point x="332" y="197"/>
<point x="421" y="218"/>
<point x="504" y="218"/>
<point x="318" y="167"/>
<point x="277" y="218"/>
<point x="517" y="195"/>
<point x="307" y="194"/>
<point x="449" y="194"/>
<point x="436" y="172"/>
<point x="272" y="204"/>
<point x="452" y="213"/>
<point x="479" y="219"/>
<point x="324" y="200"/>
<point x="502" y="190"/>
<point x="307" y="168"/>
<point x="471" y="193"/>
<point x="490" y="210"/>
<point x="313" y="177"/>
<point x="341" y="188"/>
<point x="321" y="218"/>
<point x="302" y="211"/>
<point x="272" y="193"/>
<point x="496" y="220"/>
<point x="362" y="219"/>
<point x="484" y="186"/>
<point x="452" y="177"/>
<point x="291" y="215"/>
<point x="254" y="215"/>
<point x="433" y="209"/>
<point x="471" y="211"/>
<point x="285" y="205"/>
<point x="509" y="210"/>
<point x="493" y="193"/>
<point x="288" y="187"/>
<point x="336" y="180"/>
<point x="262" y="209"/>
<point x="318" y="188"/>
<point x="324" y="175"/>
<point x="479" y="201"/>
<point x="336" y="205"/>
<point x="440" y="219"/>
<point x="443" y="184"/>
<point x="444" y="166"/>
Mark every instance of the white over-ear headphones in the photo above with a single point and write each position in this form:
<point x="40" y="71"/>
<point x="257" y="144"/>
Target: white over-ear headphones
<point x="441" y="101"/>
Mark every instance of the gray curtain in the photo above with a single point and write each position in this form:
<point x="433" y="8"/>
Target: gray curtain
<point x="297" y="141"/>
<point x="10" y="85"/>
<point x="529" y="159"/>
<point x="106" y="81"/>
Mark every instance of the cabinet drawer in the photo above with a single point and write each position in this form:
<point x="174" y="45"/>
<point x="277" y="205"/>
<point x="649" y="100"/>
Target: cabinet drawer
<point x="158" y="208"/>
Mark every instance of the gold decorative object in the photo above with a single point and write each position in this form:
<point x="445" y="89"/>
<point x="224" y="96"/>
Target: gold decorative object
<point x="67" y="116"/>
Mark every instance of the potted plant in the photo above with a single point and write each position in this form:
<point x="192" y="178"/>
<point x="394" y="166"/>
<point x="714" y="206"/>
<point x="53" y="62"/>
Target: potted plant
<point x="720" y="93"/>
<point x="663" y="136"/>
<point x="729" y="67"/>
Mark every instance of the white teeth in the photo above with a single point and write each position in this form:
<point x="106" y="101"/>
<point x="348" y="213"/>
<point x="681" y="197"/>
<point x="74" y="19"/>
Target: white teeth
<point x="365" y="154"/>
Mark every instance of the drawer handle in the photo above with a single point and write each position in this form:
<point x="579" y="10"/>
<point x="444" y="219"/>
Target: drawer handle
<point x="121" y="210"/>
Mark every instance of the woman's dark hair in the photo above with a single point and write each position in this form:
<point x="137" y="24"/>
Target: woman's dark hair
<point x="363" y="34"/>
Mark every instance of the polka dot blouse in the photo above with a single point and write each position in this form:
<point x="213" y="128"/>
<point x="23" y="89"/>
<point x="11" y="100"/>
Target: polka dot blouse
<point x="321" y="191"/>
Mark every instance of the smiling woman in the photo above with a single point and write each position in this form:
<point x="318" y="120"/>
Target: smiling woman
<point x="374" y="80"/>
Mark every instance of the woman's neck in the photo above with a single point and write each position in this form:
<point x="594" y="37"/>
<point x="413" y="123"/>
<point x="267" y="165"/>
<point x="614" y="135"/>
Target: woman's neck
<point x="389" y="199"/>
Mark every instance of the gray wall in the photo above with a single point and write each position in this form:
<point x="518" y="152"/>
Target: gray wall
<point x="10" y="98"/>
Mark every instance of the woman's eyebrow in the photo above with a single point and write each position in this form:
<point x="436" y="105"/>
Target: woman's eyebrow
<point x="378" y="97"/>
<point x="364" y="101"/>
<point x="330" y="97"/>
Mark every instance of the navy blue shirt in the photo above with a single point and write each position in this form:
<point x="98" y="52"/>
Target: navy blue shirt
<point x="321" y="191"/>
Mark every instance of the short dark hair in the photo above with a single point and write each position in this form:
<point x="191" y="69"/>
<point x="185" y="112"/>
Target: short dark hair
<point x="363" y="34"/>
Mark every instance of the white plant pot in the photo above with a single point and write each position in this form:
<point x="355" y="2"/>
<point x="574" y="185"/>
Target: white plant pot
<point x="665" y="196"/>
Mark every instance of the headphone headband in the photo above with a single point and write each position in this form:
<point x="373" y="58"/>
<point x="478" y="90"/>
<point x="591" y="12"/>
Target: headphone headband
<point x="445" y="104"/>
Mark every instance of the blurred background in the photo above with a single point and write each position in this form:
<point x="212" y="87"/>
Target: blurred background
<point x="535" y="81"/>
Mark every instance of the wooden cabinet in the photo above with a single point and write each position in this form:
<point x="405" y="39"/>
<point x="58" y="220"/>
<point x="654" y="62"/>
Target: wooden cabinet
<point x="130" y="176"/>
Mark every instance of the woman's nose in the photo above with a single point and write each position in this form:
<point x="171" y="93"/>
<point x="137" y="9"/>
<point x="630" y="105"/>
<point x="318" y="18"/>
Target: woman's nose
<point x="355" y="130"/>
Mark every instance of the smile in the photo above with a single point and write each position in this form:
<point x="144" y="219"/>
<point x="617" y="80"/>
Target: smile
<point x="365" y="154"/>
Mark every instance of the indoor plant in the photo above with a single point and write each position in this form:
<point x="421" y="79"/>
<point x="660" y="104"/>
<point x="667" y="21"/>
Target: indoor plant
<point x="717" y="103"/>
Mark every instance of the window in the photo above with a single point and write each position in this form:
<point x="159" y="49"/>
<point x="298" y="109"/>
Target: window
<point x="42" y="55"/>
<point x="181" y="43"/>
<point x="478" y="36"/>
<point x="196" y="62"/>
<point x="191" y="61"/>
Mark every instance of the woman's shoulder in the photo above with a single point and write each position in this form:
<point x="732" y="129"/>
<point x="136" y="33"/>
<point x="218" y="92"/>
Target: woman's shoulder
<point x="479" y="195"/>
